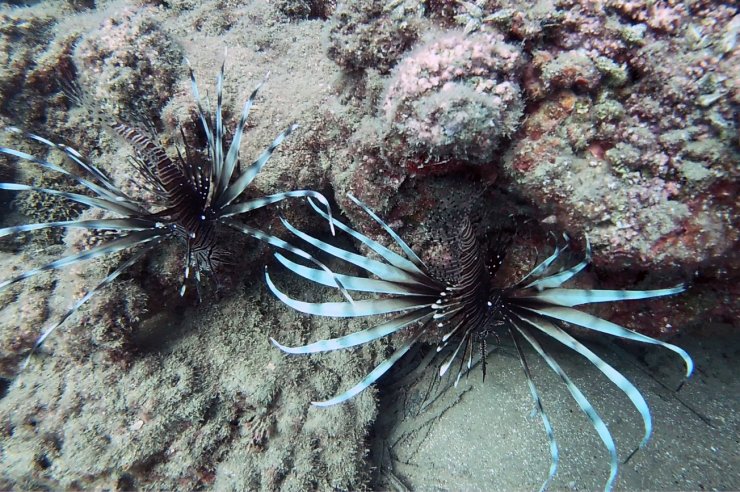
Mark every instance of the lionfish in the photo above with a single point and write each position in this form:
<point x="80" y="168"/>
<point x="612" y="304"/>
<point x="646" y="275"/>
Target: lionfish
<point x="192" y="197"/>
<point x="462" y="304"/>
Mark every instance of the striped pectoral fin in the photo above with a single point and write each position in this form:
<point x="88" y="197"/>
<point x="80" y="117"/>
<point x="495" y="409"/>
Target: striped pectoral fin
<point x="381" y="270"/>
<point x="592" y="322"/>
<point x="245" y="178"/>
<point x="463" y="341"/>
<point x="401" y="243"/>
<point x="77" y="305"/>
<point x="374" y="375"/>
<point x="554" y="453"/>
<point x="542" y="267"/>
<point x="218" y="140"/>
<point x="358" y="284"/>
<point x="583" y="403"/>
<point x="575" y="297"/>
<point x="279" y="243"/>
<point x="120" y="244"/>
<point x="111" y="206"/>
<point x="391" y="257"/>
<point x="461" y="369"/>
<point x="107" y="193"/>
<point x="365" y="307"/>
<point x="232" y="157"/>
<point x="360" y="337"/>
<point x="614" y="376"/>
<point x="108" y="189"/>
<point x="130" y="224"/>
<point x="201" y="113"/>
<point x="240" y="208"/>
<point x="558" y="279"/>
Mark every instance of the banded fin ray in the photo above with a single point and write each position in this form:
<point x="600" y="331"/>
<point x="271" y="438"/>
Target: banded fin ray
<point x="377" y="268"/>
<point x="233" y="155"/>
<point x="558" y="279"/>
<point x="104" y="249"/>
<point x="121" y="200"/>
<point x="575" y="297"/>
<point x="401" y="243"/>
<point x="614" y="376"/>
<point x="373" y="376"/>
<point x="240" y="208"/>
<point x="388" y="255"/>
<point x="127" y="224"/>
<point x="203" y="120"/>
<point x="279" y="243"/>
<point x="463" y="340"/>
<point x="540" y="269"/>
<point x="111" y="206"/>
<point x="461" y="368"/>
<point x="364" y="307"/>
<point x="108" y="189"/>
<point x="554" y="453"/>
<point x="218" y="140"/>
<point x="73" y="309"/>
<point x="598" y="424"/>
<point x="359" y="284"/>
<point x="245" y="178"/>
<point x="353" y="339"/>
<point x="595" y="323"/>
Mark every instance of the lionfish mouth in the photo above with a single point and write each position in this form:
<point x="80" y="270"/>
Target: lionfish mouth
<point x="462" y="307"/>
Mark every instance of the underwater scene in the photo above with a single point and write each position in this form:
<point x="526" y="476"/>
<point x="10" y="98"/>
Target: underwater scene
<point x="369" y="245"/>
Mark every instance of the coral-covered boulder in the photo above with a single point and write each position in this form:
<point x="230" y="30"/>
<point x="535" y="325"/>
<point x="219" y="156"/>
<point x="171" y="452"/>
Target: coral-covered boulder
<point x="454" y="98"/>
<point x="130" y="64"/>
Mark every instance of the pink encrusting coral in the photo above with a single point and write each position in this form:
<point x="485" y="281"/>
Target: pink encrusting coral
<point x="455" y="97"/>
<point x="644" y="169"/>
<point x="628" y="132"/>
<point x="452" y="102"/>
